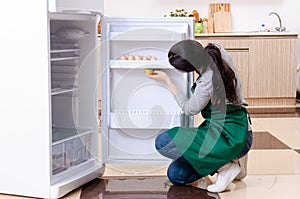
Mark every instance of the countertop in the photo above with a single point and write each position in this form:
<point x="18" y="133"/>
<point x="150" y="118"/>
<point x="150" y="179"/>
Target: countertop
<point x="247" y="34"/>
<point x="244" y="34"/>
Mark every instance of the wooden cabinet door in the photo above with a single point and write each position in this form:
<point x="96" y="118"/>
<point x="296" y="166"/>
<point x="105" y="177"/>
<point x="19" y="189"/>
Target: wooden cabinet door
<point x="238" y="48"/>
<point x="240" y="59"/>
<point x="272" y="67"/>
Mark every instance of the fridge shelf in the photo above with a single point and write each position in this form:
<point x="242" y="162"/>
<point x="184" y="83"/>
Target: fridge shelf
<point x="145" y="119"/>
<point x="148" y="35"/>
<point x="65" y="50"/>
<point x="60" y="135"/>
<point x="58" y="90"/>
<point x="64" y="58"/>
<point x="64" y="69"/>
<point x="140" y="64"/>
<point x="61" y="75"/>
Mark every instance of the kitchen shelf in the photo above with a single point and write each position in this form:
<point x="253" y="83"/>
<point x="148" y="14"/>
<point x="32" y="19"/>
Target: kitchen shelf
<point x="139" y="64"/>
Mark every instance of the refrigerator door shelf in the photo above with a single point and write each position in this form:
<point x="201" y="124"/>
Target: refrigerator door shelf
<point x="145" y="121"/>
<point x="128" y="64"/>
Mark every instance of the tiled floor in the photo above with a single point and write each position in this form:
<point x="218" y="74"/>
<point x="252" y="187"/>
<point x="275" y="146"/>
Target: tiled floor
<point x="273" y="170"/>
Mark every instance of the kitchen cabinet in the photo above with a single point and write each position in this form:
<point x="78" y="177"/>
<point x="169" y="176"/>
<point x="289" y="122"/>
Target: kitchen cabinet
<point x="266" y="63"/>
<point x="273" y="68"/>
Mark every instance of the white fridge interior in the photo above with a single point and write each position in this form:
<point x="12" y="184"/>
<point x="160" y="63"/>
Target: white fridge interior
<point x="135" y="108"/>
<point x="74" y="119"/>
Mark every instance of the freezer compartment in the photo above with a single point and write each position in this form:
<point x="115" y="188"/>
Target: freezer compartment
<point x="70" y="147"/>
<point x="133" y="145"/>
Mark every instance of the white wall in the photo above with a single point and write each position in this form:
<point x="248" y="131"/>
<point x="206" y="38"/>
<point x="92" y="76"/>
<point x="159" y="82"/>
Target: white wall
<point x="246" y="15"/>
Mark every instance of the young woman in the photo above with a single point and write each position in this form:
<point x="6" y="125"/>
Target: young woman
<point x="224" y="136"/>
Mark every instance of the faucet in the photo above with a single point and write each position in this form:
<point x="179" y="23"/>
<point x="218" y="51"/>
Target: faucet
<point x="280" y="28"/>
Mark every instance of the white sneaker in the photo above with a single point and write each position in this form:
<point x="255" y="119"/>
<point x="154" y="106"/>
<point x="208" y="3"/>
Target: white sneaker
<point x="243" y="164"/>
<point x="224" y="178"/>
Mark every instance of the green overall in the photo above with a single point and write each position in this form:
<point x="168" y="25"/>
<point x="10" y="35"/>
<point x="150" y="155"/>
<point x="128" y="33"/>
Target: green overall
<point x="219" y="139"/>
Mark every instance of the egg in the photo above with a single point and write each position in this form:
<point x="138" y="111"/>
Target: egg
<point x="122" y="57"/>
<point x="144" y="58"/>
<point x="130" y="57"/>
<point x="153" y="58"/>
<point x="149" y="57"/>
<point x="137" y="57"/>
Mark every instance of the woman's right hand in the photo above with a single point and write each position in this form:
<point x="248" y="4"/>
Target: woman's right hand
<point x="159" y="75"/>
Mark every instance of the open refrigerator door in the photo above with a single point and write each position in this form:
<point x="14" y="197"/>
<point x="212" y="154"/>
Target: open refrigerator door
<point x="135" y="108"/>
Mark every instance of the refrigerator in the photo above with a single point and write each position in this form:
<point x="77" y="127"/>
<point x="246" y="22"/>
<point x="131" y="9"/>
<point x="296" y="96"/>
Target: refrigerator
<point x="50" y="130"/>
<point x="49" y="108"/>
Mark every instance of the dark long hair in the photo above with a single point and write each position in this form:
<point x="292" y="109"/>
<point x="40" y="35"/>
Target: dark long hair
<point x="189" y="56"/>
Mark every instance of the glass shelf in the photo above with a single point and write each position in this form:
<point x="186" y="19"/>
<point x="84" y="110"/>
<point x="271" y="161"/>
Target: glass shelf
<point x="65" y="50"/>
<point x="58" y="91"/>
<point x="60" y="135"/>
<point x="65" y="58"/>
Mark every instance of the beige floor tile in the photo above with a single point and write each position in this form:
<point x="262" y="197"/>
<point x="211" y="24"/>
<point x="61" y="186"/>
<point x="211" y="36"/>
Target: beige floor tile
<point x="273" y="162"/>
<point x="4" y="196"/>
<point x="266" y="186"/>
<point x="73" y="195"/>
<point x="285" y="129"/>
<point x="256" y="125"/>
